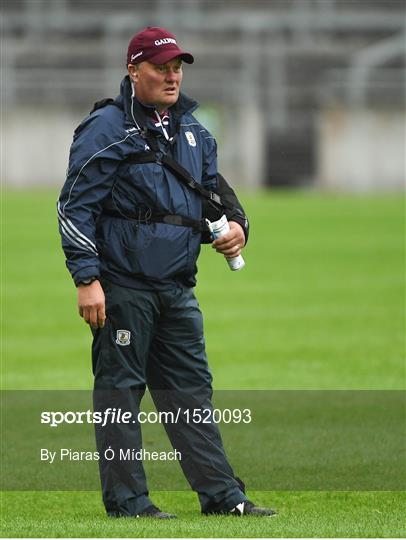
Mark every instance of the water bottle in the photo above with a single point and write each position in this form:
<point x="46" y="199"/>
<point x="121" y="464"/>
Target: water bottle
<point x="219" y="228"/>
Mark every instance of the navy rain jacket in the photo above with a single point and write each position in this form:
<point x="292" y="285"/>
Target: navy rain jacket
<point x="102" y="188"/>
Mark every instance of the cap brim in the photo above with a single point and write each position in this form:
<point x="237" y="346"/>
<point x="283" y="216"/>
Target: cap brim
<point x="166" y="56"/>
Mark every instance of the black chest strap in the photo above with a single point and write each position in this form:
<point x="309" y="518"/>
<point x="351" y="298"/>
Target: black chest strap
<point x="149" y="216"/>
<point x="154" y="155"/>
<point x="182" y="174"/>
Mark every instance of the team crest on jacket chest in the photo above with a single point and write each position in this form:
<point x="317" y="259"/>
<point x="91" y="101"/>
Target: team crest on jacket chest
<point x="190" y="138"/>
<point x="123" y="337"/>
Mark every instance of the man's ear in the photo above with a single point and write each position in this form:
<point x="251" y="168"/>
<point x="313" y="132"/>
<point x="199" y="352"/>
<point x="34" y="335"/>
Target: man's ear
<point x="133" y="72"/>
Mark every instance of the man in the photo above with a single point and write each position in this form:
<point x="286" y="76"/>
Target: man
<point x="142" y="174"/>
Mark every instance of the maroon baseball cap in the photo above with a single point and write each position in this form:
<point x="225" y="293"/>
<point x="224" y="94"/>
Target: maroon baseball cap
<point x="156" y="45"/>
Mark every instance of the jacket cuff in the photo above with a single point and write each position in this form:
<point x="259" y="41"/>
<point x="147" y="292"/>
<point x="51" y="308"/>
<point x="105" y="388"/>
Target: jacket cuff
<point x="86" y="273"/>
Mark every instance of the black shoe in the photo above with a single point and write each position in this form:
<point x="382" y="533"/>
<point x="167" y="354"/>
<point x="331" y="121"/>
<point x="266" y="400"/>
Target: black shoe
<point x="247" y="508"/>
<point x="154" y="512"/>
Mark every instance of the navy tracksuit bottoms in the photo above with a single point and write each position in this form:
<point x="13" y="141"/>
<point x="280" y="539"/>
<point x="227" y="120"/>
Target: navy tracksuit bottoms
<point x="155" y="339"/>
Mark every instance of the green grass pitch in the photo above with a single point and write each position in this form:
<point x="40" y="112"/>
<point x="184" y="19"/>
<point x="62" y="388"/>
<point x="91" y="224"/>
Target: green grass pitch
<point x="320" y="305"/>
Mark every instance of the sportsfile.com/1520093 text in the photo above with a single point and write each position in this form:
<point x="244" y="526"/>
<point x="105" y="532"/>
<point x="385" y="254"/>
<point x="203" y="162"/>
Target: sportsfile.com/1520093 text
<point x="114" y="415"/>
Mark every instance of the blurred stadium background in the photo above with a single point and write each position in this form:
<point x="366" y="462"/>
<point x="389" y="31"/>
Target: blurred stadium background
<point x="297" y="92"/>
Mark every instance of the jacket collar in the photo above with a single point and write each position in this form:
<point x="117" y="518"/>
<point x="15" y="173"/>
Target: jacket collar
<point x="136" y="113"/>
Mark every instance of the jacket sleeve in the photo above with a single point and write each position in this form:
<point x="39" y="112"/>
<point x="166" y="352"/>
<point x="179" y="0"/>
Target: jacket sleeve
<point x="94" y="157"/>
<point x="237" y="214"/>
<point x="214" y="181"/>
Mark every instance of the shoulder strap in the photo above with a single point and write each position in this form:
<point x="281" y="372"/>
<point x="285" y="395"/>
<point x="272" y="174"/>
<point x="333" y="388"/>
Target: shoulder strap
<point x="187" y="179"/>
<point x="182" y="174"/>
<point x="155" y="156"/>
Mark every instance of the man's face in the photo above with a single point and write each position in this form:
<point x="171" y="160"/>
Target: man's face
<point x="157" y="85"/>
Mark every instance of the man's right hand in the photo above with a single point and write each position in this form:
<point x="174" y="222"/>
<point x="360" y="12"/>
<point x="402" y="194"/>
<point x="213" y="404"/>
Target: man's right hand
<point x="91" y="304"/>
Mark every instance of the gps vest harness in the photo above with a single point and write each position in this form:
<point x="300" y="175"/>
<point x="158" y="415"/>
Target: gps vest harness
<point x="156" y="155"/>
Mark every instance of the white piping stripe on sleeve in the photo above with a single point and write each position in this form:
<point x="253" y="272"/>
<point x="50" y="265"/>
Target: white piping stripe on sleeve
<point x="75" y="241"/>
<point x="78" y="241"/>
<point x="68" y="224"/>
<point x="192" y="124"/>
<point x="70" y="240"/>
<point x="87" y="162"/>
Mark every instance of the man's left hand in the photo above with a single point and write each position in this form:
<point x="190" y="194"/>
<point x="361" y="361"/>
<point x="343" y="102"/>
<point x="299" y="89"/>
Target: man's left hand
<point x="231" y="244"/>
